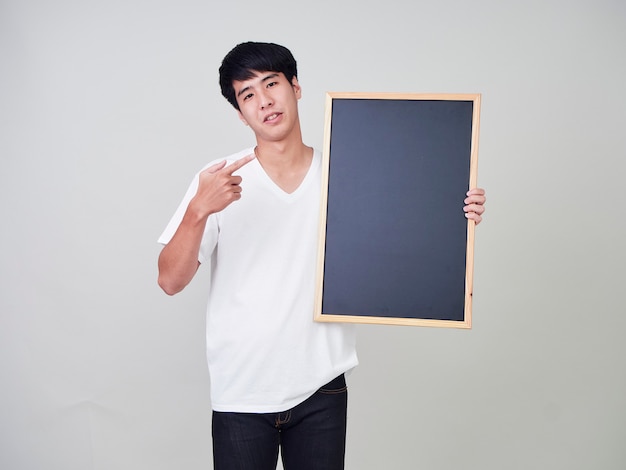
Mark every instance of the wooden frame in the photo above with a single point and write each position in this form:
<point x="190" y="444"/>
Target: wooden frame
<point x="394" y="245"/>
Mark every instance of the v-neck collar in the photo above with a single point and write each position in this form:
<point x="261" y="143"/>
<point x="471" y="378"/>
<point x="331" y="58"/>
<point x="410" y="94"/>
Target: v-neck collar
<point x="280" y="192"/>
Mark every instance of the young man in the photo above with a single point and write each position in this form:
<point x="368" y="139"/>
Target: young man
<point x="277" y="377"/>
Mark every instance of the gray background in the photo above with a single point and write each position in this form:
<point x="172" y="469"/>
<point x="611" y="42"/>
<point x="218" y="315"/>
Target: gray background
<point x="108" y="108"/>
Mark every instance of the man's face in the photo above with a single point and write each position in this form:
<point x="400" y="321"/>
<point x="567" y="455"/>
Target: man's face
<point x="268" y="103"/>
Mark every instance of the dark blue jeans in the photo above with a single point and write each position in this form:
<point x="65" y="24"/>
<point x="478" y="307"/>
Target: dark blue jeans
<point x="311" y="436"/>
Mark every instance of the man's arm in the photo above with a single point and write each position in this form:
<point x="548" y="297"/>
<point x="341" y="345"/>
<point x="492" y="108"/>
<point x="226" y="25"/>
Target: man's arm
<point x="217" y="188"/>
<point x="178" y="261"/>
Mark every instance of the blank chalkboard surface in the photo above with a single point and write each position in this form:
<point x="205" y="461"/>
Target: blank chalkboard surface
<point x="395" y="246"/>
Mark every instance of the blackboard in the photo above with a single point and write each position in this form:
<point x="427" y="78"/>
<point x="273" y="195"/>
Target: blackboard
<point x="394" y="244"/>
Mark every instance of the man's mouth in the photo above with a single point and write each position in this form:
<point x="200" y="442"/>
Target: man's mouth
<point x="271" y="117"/>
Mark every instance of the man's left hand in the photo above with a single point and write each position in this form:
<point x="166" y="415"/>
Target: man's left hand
<point x="475" y="204"/>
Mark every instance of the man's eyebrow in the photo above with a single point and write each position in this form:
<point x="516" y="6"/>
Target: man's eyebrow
<point x="267" y="77"/>
<point x="270" y="76"/>
<point x="242" y="91"/>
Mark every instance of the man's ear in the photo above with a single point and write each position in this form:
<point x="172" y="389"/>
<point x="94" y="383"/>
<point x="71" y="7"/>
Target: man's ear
<point x="242" y="118"/>
<point x="296" y="87"/>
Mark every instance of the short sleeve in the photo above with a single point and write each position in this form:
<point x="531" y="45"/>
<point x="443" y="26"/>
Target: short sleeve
<point x="209" y="239"/>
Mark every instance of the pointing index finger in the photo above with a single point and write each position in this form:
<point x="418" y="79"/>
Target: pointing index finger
<point x="239" y="163"/>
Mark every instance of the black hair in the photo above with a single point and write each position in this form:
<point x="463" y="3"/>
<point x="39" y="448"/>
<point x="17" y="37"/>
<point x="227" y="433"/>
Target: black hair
<point x="249" y="57"/>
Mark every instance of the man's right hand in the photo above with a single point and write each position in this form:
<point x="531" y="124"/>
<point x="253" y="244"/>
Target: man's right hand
<point x="218" y="187"/>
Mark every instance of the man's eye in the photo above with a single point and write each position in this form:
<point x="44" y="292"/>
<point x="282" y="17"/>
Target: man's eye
<point x="248" y="96"/>
<point x="271" y="84"/>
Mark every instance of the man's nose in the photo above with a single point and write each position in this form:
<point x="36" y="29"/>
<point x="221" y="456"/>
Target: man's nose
<point x="265" y="100"/>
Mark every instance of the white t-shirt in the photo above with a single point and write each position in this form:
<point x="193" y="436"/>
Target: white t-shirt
<point x="265" y="353"/>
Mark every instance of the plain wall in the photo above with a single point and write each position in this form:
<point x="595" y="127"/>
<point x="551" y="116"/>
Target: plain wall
<point x="107" y="109"/>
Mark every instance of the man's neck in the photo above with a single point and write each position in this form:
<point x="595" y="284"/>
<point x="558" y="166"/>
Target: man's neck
<point x="286" y="163"/>
<point x="284" y="152"/>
